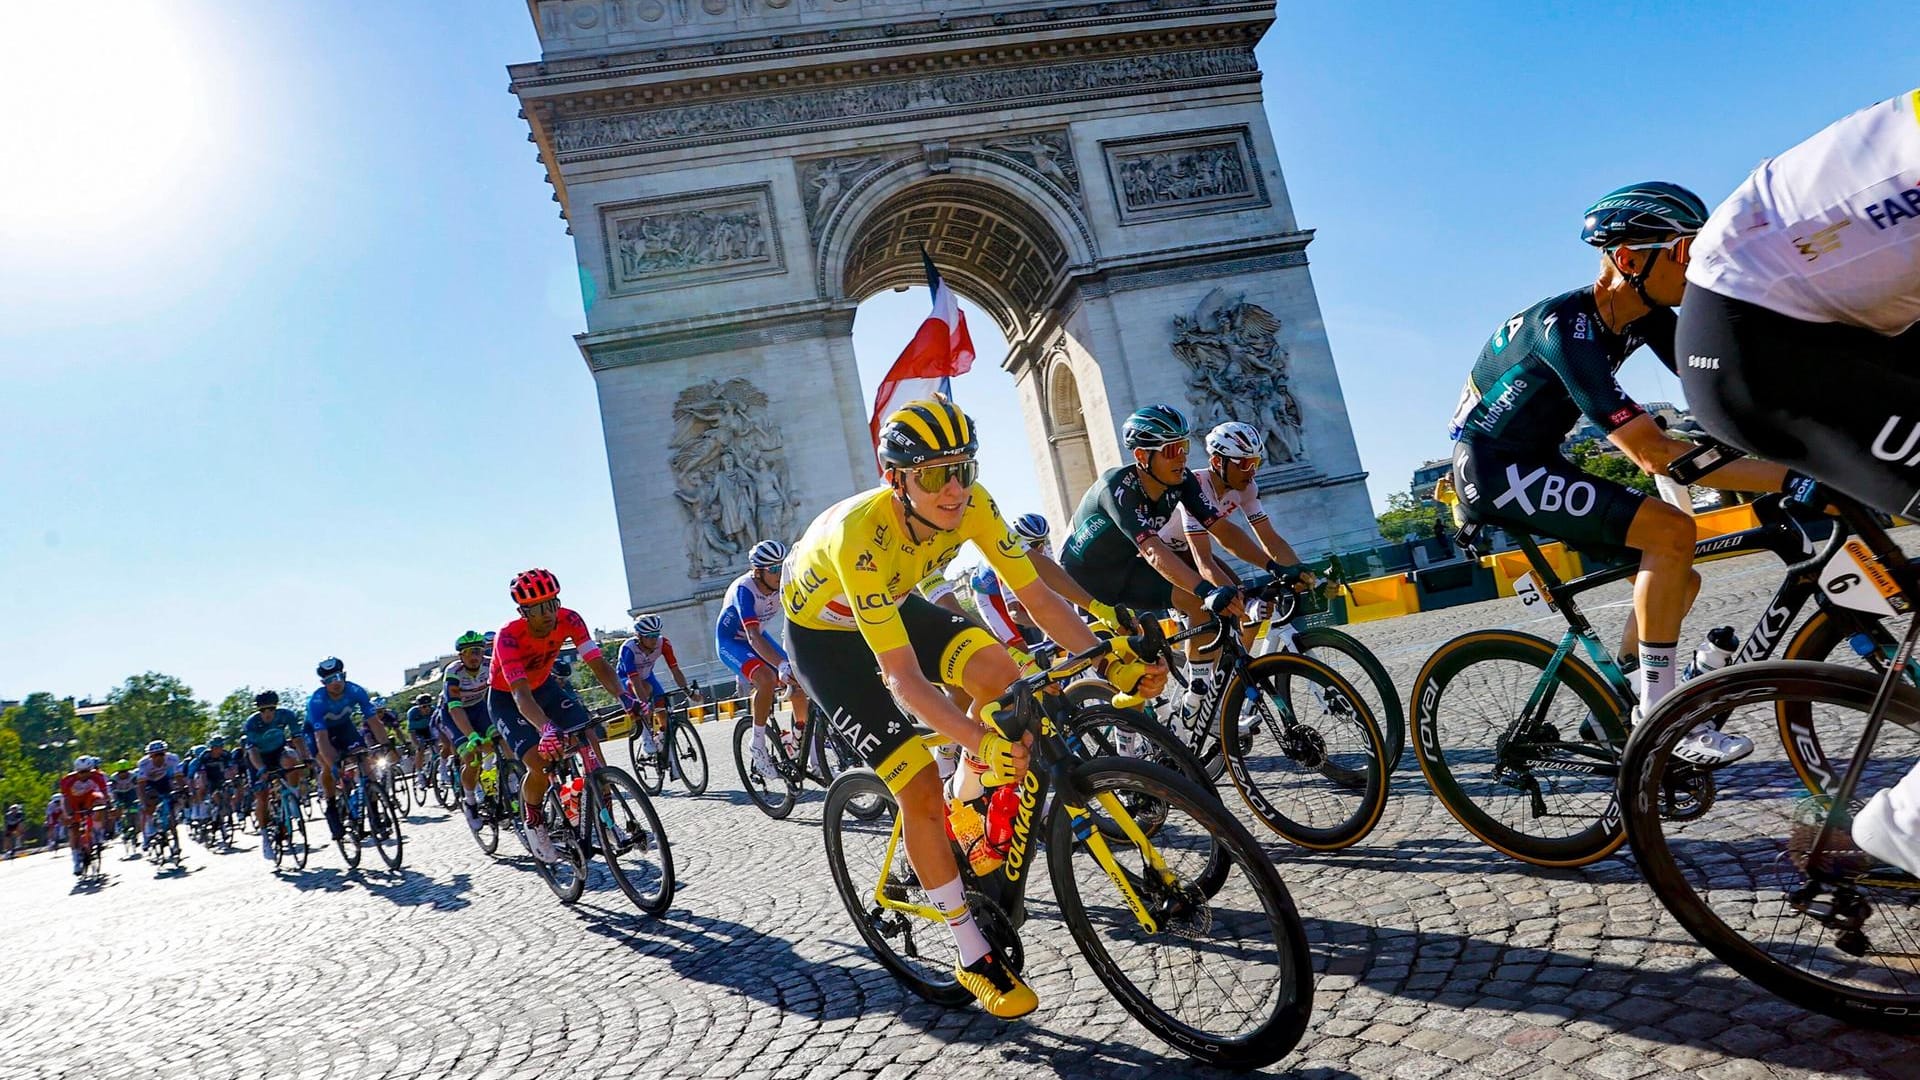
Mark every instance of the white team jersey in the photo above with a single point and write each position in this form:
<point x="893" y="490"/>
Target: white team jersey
<point x="1829" y="231"/>
<point x="1180" y="525"/>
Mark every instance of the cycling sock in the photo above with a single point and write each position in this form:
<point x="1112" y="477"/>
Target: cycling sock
<point x="759" y="736"/>
<point x="951" y="899"/>
<point x="1656" y="672"/>
<point x="1905" y="797"/>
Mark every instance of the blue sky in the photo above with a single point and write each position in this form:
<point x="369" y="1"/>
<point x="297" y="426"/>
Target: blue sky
<point x="286" y="312"/>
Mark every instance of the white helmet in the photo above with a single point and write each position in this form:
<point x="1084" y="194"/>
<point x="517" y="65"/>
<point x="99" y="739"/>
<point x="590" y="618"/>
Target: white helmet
<point x="767" y="554"/>
<point x="82" y="763"/>
<point x="647" y="626"/>
<point x="1235" y="440"/>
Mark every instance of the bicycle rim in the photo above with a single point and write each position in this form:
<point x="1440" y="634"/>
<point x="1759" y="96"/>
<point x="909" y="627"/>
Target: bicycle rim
<point x="387" y="838"/>
<point x="567" y="874"/>
<point x="1806" y="737"/>
<point x="1560" y="810"/>
<point x="1727" y="870"/>
<point x="1357" y="664"/>
<point x="632" y="840"/>
<point x="1226" y="978"/>
<point x="918" y="952"/>
<point x="689" y="755"/>
<point x="774" y="797"/>
<point x="1303" y="751"/>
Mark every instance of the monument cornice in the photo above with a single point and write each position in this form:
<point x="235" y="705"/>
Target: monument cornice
<point x="864" y="100"/>
<point x="622" y="64"/>
<point x="678" y="339"/>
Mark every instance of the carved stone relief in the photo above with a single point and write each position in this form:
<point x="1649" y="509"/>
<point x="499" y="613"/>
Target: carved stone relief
<point x="825" y="181"/>
<point x="675" y="241"/>
<point x="730" y="472"/>
<point x="1236" y="370"/>
<point x="882" y="102"/>
<point x="1201" y="172"/>
<point x="1048" y="153"/>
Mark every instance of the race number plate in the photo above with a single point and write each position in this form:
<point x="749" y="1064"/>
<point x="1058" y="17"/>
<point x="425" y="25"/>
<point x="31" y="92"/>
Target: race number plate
<point x="1854" y="579"/>
<point x="1530" y="594"/>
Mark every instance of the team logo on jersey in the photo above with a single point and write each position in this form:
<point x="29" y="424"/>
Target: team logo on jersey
<point x="865" y="562"/>
<point x="1555" y="494"/>
<point x="1824" y="242"/>
<point x="1582" y="327"/>
<point x="1903" y="206"/>
<point x="880" y="535"/>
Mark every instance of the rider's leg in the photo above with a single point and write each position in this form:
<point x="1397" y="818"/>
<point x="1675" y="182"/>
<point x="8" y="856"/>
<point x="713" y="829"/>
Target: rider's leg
<point x="1661" y="592"/>
<point x="1630" y="634"/>
<point x="765" y="682"/>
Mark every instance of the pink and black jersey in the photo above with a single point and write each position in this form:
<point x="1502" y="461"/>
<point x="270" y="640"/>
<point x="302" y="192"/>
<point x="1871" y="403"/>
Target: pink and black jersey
<point x="520" y="654"/>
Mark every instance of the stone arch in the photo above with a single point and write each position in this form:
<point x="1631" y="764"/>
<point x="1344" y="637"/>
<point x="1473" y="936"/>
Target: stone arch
<point x="1066" y="427"/>
<point x="1009" y="241"/>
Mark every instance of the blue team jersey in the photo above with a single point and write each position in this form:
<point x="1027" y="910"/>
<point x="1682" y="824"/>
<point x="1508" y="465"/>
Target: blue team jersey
<point x="746" y="606"/>
<point x="324" y="712"/>
<point x="269" y="736"/>
<point x="984" y="581"/>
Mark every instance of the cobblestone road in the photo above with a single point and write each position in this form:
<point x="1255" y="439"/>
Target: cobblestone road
<point x="1436" y="957"/>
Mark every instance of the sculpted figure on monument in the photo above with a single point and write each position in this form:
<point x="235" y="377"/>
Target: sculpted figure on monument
<point x="688" y="239"/>
<point x="730" y="468"/>
<point x="1050" y="155"/>
<point x="1236" y="370"/>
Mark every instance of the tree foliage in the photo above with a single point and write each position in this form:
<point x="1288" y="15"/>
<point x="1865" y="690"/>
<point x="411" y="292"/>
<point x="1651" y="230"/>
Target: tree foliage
<point x="147" y="706"/>
<point x="45" y="727"/>
<point x="1593" y="459"/>
<point x="1406" y="518"/>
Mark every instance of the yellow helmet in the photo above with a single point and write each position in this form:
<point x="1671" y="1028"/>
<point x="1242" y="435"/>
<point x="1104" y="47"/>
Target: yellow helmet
<point x="922" y="431"/>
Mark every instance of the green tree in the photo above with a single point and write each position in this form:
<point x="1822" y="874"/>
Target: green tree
<point x="20" y="782"/>
<point x="1406" y="518"/>
<point x="145" y="707"/>
<point x="233" y="710"/>
<point x="45" y="726"/>
<point x="1594" y="460"/>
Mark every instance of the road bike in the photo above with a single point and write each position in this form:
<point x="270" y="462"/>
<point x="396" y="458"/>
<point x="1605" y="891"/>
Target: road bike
<point x="163" y="839"/>
<point x="1180" y="913"/>
<point x="287" y="824"/>
<point x="1279" y="625"/>
<point x="1298" y="741"/>
<point x="90" y="836"/>
<point x="810" y="751"/>
<point x="677" y="751"/>
<point x="1520" y="740"/>
<point x="367" y="811"/>
<point x="498" y="788"/>
<point x="1759" y="865"/>
<point x="592" y="808"/>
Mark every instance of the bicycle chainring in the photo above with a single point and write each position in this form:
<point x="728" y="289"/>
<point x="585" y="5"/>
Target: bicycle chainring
<point x="998" y="928"/>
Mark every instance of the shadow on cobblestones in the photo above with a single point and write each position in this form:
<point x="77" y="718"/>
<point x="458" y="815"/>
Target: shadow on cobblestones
<point x="1437" y="855"/>
<point x="410" y="888"/>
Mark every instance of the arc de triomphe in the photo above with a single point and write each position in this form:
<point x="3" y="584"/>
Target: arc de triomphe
<point x="738" y="175"/>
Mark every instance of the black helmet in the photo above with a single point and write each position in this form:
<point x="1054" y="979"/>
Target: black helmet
<point x="330" y="667"/>
<point x="265" y="698"/>
<point x="923" y="431"/>
<point x="1154" y="427"/>
<point x="1652" y="210"/>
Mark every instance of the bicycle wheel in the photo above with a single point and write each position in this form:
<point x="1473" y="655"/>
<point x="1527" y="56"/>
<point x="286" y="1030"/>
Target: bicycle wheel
<point x="1827" y="635"/>
<point x="1526" y="783"/>
<point x="446" y="783"/>
<point x="628" y="834"/>
<point x="1731" y="868"/>
<point x="774" y="797"/>
<point x="400" y="789"/>
<point x="1106" y="731"/>
<point x="487" y="833"/>
<point x="352" y="805"/>
<point x="1303" y="750"/>
<point x="383" y="822"/>
<point x="567" y="874"/>
<point x="918" y="952"/>
<point x="293" y="836"/>
<point x="1226" y="978"/>
<point x="1354" y="661"/>
<point x="688" y="755"/>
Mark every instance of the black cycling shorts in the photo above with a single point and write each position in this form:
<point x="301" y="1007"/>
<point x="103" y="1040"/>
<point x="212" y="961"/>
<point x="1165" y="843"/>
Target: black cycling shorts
<point x="1133" y="583"/>
<point x="563" y="710"/>
<point x="1839" y="403"/>
<point x="838" y="671"/>
<point x="1543" y="493"/>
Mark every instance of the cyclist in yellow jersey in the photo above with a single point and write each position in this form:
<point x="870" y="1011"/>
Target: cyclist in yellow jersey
<point x="850" y="600"/>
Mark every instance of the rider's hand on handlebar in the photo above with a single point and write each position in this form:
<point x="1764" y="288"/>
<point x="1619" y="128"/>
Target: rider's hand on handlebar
<point x="1006" y="760"/>
<point x="1224" y="600"/>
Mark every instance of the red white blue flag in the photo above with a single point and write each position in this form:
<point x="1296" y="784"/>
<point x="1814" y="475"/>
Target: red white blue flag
<point x="941" y="349"/>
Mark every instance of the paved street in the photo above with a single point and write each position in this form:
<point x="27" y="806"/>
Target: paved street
<point x="1436" y="957"/>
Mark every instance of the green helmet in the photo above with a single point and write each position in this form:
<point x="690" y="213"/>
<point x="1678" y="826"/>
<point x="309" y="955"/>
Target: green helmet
<point x="1153" y="427"/>
<point x="1652" y="210"/>
<point x="472" y="639"/>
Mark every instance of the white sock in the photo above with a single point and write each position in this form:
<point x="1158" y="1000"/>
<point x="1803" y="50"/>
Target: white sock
<point x="759" y="736"/>
<point x="1656" y="673"/>
<point x="1905" y="797"/>
<point x="951" y="899"/>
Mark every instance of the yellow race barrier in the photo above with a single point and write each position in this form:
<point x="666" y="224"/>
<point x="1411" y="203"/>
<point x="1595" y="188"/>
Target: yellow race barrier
<point x="1382" y="598"/>
<point x="1507" y="566"/>
<point x="1727" y="519"/>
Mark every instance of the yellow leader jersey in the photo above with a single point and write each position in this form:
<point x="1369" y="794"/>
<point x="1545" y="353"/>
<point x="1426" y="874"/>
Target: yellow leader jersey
<point x="854" y="564"/>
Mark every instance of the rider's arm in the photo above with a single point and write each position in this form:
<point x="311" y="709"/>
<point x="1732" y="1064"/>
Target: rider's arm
<point x="1654" y="451"/>
<point x="763" y="648"/>
<point x="530" y="710"/>
<point x="1058" y="580"/>
<point x="604" y="672"/>
<point x="1021" y="573"/>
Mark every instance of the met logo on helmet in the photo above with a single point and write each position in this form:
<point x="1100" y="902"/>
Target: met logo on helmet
<point x="1903" y="206"/>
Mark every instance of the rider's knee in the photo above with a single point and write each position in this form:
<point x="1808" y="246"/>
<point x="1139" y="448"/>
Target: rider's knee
<point x="922" y="797"/>
<point x="1661" y="530"/>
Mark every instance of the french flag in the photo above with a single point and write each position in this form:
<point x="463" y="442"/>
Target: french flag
<point x="941" y="349"/>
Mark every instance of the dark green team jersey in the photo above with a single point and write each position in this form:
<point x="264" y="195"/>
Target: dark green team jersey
<point x="1116" y="515"/>
<point x="1550" y="364"/>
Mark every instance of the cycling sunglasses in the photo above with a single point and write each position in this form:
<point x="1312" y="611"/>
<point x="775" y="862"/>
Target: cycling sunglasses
<point x="933" y="479"/>
<point x="334" y="679"/>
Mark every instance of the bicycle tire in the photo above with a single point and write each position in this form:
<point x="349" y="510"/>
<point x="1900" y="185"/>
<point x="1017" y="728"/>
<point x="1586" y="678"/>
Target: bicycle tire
<point x="389" y="841"/>
<point x="400" y="789"/>
<point x="1825" y="632"/>
<point x="651" y="777"/>
<point x="620" y="831"/>
<point x="1318" y="794"/>
<point x="1384" y="701"/>
<point x="566" y="876"/>
<point x="1091" y="726"/>
<point x="776" y="797"/>
<point x="1290" y="1003"/>
<point x="1642" y="783"/>
<point x="689" y="755"/>
<point x="352" y="815"/>
<point x="876" y="925"/>
<point x="1602" y="833"/>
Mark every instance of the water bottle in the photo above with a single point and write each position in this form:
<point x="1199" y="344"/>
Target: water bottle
<point x="490" y="781"/>
<point x="968" y="829"/>
<point x="1713" y="653"/>
<point x="1000" y="812"/>
<point x="570" y="793"/>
